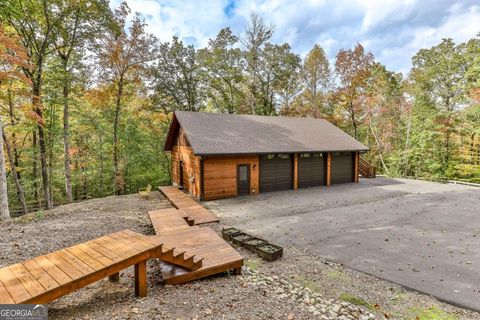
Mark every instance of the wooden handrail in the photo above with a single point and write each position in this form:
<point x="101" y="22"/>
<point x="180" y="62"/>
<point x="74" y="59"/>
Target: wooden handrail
<point x="366" y="169"/>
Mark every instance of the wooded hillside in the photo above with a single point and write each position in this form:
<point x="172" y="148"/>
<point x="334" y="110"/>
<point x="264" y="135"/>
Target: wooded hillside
<point x="86" y="97"/>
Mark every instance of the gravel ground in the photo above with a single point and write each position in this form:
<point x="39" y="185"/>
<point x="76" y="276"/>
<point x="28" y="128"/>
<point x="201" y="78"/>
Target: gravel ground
<point x="298" y="286"/>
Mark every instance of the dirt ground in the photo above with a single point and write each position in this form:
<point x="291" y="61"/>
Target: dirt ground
<point x="220" y="297"/>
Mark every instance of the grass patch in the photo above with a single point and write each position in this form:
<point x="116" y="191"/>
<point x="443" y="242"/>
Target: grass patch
<point x="337" y="275"/>
<point x="33" y="216"/>
<point x="253" y="264"/>
<point x="310" y="284"/>
<point x="350" y="298"/>
<point x="431" y="313"/>
<point x="397" y="298"/>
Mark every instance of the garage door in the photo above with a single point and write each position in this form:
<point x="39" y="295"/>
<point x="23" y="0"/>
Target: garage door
<point x="342" y="167"/>
<point x="311" y="170"/>
<point x="275" y="172"/>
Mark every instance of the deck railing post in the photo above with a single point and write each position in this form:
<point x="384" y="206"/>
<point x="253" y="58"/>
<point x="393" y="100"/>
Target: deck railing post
<point x="141" y="279"/>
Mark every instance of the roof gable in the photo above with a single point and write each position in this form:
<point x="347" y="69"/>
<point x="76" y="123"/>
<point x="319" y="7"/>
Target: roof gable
<point x="217" y="134"/>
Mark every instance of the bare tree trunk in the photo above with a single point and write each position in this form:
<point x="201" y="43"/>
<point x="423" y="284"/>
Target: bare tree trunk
<point x="43" y="151"/>
<point x="354" y="122"/>
<point x="4" y="210"/>
<point x="16" y="177"/>
<point x="35" y="168"/>
<point x="66" y="144"/>
<point x="118" y="183"/>
<point x="16" y="157"/>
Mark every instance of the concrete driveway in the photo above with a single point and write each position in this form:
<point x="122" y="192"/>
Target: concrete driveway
<point x="423" y="235"/>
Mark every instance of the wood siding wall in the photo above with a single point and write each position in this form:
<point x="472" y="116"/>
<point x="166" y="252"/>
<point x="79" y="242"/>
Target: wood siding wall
<point x="220" y="176"/>
<point x="181" y="151"/>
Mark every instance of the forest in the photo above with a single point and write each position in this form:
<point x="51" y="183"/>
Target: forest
<point x="86" y="96"/>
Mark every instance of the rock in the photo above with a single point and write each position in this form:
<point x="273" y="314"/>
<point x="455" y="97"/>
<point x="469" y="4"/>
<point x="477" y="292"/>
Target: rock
<point x="135" y="310"/>
<point x="311" y="309"/>
<point x="336" y="308"/>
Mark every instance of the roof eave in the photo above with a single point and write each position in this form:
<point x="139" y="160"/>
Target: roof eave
<point x="209" y="154"/>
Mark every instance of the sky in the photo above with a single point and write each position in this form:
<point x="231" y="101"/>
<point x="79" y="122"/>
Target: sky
<point x="393" y="30"/>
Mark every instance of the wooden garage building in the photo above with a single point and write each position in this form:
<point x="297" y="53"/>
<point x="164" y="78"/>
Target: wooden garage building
<point x="222" y="155"/>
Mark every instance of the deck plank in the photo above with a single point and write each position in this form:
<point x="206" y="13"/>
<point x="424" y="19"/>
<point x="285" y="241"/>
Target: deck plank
<point x="53" y="270"/>
<point x="79" y="264"/>
<point x="42" y="276"/>
<point x="27" y="280"/>
<point x="64" y="265"/>
<point x="188" y="206"/>
<point x="93" y="263"/>
<point x="13" y="285"/>
<point x="5" y="297"/>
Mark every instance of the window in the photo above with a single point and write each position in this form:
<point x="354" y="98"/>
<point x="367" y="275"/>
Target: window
<point x="243" y="173"/>
<point x="317" y="155"/>
<point x="269" y="157"/>
<point x="305" y="155"/>
<point x="283" y="156"/>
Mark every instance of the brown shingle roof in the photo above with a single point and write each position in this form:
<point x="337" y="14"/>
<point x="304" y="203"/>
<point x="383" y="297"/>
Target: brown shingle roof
<point x="216" y="133"/>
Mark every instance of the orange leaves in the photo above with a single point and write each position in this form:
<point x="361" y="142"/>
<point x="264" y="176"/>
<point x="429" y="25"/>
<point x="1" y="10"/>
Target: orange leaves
<point x="13" y="57"/>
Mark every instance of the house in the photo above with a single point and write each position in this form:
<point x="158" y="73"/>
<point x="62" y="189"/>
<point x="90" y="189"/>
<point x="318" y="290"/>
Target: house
<point x="223" y="155"/>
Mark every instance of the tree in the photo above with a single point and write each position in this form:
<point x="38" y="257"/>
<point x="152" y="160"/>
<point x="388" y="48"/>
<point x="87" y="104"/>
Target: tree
<point x="177" y="77"/>
<point x="222" y="71"/>
<point x="439" y="75"/>
<point x="124" y="58"/>
<point x="353" y="68"/>
<point x="258" y="34"/>
<point x="316" y="78"/>
<point x="80" y="26"/>
<point x="12" y="57"/>
<point x="36" y="23"/>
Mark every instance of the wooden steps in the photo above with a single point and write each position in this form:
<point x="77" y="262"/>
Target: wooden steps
<point x="218" y="255"/>
<point x="48" y="277"/>
<point x="191" y="209"/>
<point x="172" y="229"/>
<point x="366" y="169"/>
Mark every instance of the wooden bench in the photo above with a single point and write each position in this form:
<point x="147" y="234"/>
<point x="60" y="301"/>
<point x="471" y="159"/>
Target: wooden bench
<point x="48" y="277"/>
<point x="145" y="192"/>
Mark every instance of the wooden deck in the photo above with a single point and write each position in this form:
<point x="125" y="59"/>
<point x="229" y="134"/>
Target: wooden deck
<point x="190" y="208"/>
<point x="165" y="220"/>
<point x="47" y="277"/>
<point x="218" y="255"/>
<point x="172" y="228"/>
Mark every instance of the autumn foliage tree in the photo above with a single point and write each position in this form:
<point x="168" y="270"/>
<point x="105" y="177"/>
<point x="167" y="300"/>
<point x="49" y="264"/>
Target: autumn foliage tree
<point x="124" y="56"/>
<point x="13" y="58"/>
<point x="354" y="69"/>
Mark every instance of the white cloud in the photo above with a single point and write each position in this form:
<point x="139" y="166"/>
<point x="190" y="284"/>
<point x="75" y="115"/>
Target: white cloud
<point x="394" y="30"/>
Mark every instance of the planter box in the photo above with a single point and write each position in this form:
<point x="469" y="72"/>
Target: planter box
<point x="269" y="251"/>
<point x="229" y="232"/>
<point x="252" y="243"/>
<point x="240" y="238"/>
